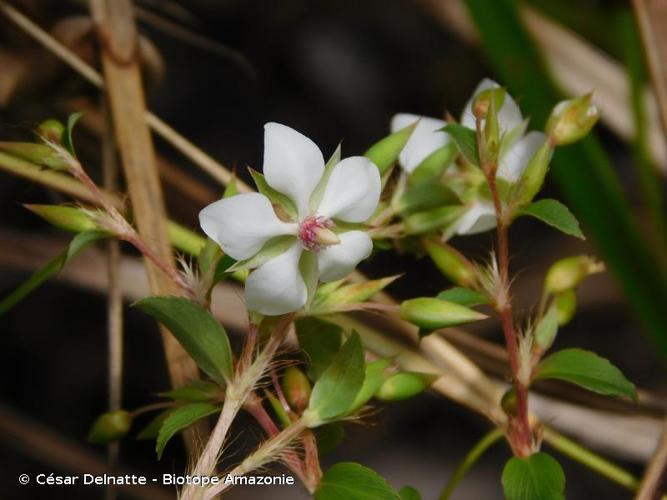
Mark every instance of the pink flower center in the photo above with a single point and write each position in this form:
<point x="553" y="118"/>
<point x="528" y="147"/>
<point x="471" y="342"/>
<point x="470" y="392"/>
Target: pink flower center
<point x="308" y="231"/>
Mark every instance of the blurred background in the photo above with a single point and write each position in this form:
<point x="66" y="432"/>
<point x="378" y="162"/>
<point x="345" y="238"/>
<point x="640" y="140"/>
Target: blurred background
<point x="216" y="71"/>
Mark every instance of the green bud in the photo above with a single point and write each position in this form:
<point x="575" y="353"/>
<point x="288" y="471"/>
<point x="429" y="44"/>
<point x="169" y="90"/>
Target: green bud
<point x="439" y="218"/>
<point x="66" y="218"/>
<point x="40" y="154"/>
<point x="509" y="403"/>
<point x="296" y="387"/>
<point x="567" y="274"/>
<point x="451" y="263"/>
<point x="110" y="426"/>
<point x="532" y="179"/>
<point x="566" y="305"/>
<point x="571" y="120"/>
<point x="488" y="100"/>
<point x="431" y="314"/>
<point x="400" y="386"/>
<point x="546" y="329"/>
<point x="384" y="153"/>
<point x="51" y="130"/>
<point x="487" y="104"/>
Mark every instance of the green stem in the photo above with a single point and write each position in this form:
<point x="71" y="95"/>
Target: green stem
<point x="591" y="460"/>
<point x="470" y="460"/>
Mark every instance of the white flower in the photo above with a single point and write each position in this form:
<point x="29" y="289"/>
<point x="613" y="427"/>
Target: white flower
<point x="425" y="139"/>
<point x="294" y="166"/>
<point x="516" y="151"/>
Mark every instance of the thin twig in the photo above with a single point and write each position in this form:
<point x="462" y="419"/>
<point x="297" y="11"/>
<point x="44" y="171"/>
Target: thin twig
<point x="114" y="298"/>
<point x="654" y="481"/>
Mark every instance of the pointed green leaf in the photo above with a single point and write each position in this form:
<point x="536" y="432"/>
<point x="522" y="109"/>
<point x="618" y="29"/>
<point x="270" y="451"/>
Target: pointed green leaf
<point x="546" y="329"/>
<point x="179" y="419"/>
<point x="80" y="242"/>
<point x="384" y="153"/>
<point x="425" y="196"/>
<point x="465" y="140"/>
<point x="320" y="341"/>
<point x="434" y="164"/>
<point x="555" y="214"/>
<point x="409" y="493"/>
<point x="67" y="136"/>
<point x="350" y="481"/>
<point x="152" y="428"/>
<point x="588" y="370"/>
<point x="196" y="391"/>
<point x="200" y="334"/>
<point x="40" y="154"/>
<point x="335" y="391"/>
<point x="276" y="197"/>
<point x="350" y="294"/>
<point x="538" y="477"/>
<point x="432" y="220"/>
<point x="72" y="219"/>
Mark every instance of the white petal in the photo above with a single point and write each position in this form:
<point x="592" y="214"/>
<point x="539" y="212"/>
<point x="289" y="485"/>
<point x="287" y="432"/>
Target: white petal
<point x="515" y="160"/>
<point x="509" y="115"/>
<point x="480" y="217"/>
<point x="277" y="287"/>
<point x="242" y="224"/>
<point x="425" y="139"/>
<point x="337" y="261"/>
<point x="293" y="164"/>
<point x="353" y="190"/>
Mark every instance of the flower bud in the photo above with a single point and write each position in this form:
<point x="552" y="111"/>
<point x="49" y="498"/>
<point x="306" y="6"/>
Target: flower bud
<point x="431" y="314"/>
<point x="384" y="153"/>
<point x="451" y="263"/>
<point x="566" y="305"/>
<point x="404" y="385"/>
<point x="481" y="104"/>
<point x="51" y="130"/>
<point x="296" y="387"/>
<point x="532" y="179"/>
<point x="40" y="154"/>
<point x="509" y="403"/>
<point x="546" y="329"/>
<point x="70" y="219"/>
<point x="571" y="120"/>
<point x="109" y="427"/>
<point x="567" y="274"/>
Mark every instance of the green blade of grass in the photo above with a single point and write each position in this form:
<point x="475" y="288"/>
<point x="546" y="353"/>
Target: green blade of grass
<point x="582" y="171"/>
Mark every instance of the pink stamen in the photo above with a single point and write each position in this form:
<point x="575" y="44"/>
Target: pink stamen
<point x="307" y="230"/>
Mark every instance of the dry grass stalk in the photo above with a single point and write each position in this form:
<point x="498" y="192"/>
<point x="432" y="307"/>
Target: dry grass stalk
<point x="118" y="40"/>
<point x="655" y="475"/>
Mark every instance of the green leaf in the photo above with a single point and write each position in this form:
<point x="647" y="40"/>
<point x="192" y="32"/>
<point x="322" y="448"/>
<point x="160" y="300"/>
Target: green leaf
<point x="588" y="370"/>
<point x="374" y="377"/>
<point x="405" y="385"/>
<point x="409" y="493"/>
<point x="200" y="334"/>
<point x="79" y="243"/>
<point x="278" y="409"/>
<point x="463" y="296"/>
<point x="195" y="391"/>
<point x="109" y="427"/>
<point x="276" y="197"/>
<point x="432" y="313"/>
<point x="555" y="214"/>
<point x="349" y="294"/>
<point x="465" y="140"/>
<point x="152" y="428"/>
<point x="335" y="391"/>
<point x="179" y="419"/>
<point x="538" y="477"/>
<point x="328" y="437"/>
<point x="582" y="171"/>
<point x="320" y="341"/>
<point x="67" y="136"/>
<point x="350" y="481"/>
<point x="384" y="153"/>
